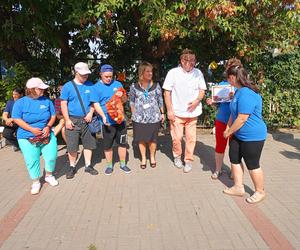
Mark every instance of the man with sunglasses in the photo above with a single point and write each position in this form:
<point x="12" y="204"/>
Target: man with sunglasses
<point x="184" y="90"/>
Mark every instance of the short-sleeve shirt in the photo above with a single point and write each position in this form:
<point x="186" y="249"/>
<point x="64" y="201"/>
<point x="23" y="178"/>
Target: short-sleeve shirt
<point x="223" y="113"/>
<point x="69" y="94"/>
<point x="9" y="106"/>
<point x="184" y="87"/>
<point x="146" y="104"/>
<point x="35" y="112"/>
<point x="102" y="93"/>
<point x="246" y="101"/>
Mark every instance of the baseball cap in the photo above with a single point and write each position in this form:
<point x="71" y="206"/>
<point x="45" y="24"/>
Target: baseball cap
<point x="106" y="68"/>
<point x="36" y="82"/>
<point x="82" y="68"/>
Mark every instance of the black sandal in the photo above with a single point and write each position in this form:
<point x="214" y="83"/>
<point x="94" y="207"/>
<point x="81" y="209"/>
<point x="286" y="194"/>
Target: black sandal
<point x="153" y="165"/>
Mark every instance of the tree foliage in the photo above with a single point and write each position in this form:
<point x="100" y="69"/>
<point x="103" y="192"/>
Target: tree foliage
<point x="48" y="36"/>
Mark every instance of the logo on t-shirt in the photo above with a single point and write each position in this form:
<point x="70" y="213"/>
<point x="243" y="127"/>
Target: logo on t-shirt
<point x="42" y="106"/>
<point x="87" y="91"/>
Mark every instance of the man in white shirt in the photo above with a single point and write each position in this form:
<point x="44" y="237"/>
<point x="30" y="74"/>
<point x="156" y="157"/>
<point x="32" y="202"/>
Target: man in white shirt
<point x="184" y="89"/>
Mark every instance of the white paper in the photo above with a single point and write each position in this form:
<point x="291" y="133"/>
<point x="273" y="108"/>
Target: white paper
<point x="222" y="93"/>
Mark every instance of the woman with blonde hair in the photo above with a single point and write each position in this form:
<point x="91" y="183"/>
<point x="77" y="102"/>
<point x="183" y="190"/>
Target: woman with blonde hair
<point x="146" y="103"/>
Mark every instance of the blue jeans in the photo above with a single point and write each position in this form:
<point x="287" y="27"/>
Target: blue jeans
<point x="32" y="153"/>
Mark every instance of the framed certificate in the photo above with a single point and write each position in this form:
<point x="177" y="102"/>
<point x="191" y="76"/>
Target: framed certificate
<point x="222" y="93"/>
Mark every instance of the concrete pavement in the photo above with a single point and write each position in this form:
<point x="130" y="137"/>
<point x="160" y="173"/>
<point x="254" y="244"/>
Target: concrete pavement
<point x="160" y="208"/>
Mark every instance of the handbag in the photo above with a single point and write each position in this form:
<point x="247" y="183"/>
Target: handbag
<point x="39" y="140"/>
<point x="95" y="125"/>
<point x="115" y="107"/>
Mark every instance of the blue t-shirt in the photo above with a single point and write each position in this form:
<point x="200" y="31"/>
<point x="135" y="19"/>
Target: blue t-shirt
<point x="69" y="94"/>
<point x="246" y="101"/>
<point x="35" y="112"/>
<point x="223" y="113"/>
<point x="9" y="106"/>
<point x="102" y="93"/>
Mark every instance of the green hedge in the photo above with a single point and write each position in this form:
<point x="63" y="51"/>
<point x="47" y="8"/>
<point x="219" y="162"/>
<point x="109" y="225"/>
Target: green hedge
<point x="281" y="90"/>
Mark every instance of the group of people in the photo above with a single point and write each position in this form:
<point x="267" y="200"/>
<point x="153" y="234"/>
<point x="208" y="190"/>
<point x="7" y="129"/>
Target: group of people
<point x="182" y="93"/>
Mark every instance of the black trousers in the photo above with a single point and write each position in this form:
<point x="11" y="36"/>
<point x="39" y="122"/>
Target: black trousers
<point x="9" y="133"/>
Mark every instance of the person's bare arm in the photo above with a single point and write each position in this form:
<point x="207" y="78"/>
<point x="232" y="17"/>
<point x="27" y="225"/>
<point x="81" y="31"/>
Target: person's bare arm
<point x="8" y="120"/>
<point x="237" y="124"/>
<point x="65" y="113"/>
<point x="168" y="102"/>
<point x="193" y="105"/>
<point x="26" y="126"/>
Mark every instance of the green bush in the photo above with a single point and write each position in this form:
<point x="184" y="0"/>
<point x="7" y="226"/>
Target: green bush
<point x="281" y="90"/>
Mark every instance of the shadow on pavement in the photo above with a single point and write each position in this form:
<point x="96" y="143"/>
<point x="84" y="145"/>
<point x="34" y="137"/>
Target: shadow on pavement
<point x="288" y="138"/>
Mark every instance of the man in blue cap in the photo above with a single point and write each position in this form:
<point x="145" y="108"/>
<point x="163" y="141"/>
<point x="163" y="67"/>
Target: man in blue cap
<point x="113" y="133"/>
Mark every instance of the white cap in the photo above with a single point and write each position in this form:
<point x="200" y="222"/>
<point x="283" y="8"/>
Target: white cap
<point x="82" y="68"/>
<point x="36" y="82"/>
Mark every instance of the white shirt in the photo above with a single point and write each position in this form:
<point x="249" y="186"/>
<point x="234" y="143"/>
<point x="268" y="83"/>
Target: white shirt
<point x="184" y="87"/>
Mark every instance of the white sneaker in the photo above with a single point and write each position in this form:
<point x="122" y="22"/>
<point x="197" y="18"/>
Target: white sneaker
<point x="51" y="180"/>
<point x="178" y="162"/>
<point x="187" y="168"/>
<point x="216" y="174"/>
<point x="35" y="188"/>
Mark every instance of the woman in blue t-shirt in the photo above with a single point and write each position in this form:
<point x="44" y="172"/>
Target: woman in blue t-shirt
<point x="35" y="115"/>
<point x="248" y="132"/>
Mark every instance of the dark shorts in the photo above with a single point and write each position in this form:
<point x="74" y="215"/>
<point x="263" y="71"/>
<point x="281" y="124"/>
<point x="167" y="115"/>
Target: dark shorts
<point x="115" y="134"/>
<point x="80" y="131"/>
<point x="145" y="132"/>
<point x="250" y="151"/>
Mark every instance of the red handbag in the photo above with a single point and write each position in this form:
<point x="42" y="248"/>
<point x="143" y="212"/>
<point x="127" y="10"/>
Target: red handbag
<point x="39" y="140"/>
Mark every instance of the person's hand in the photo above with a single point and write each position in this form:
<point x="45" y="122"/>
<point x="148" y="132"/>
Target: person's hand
<point x="226" y="133"/>
<point x="209" y="101"/>
<point x="193" y="105"/>
<point x="88" y="117"/>
<point x="62" y="122"/>
<point x="36" y="131"/>
<point x="119" y="93"/>
<point x="171" y="116"/>
<point x="105" y="121"/>
<point x="163" y="118"/>
<point x="9" y="122"/>
<point x="46" y="131"/>
<point x="231" y="94"/>
<point x="69" y="124"/>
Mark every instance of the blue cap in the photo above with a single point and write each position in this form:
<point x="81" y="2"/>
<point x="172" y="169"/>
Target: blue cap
<point x="106" y="68"/>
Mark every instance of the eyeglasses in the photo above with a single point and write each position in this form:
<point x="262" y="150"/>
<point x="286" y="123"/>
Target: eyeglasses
<point x="189" y="60"/>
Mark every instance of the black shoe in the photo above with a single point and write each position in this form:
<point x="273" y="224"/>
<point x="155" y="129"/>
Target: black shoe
<point x="91" y="170"/>
<point x="71" y="172"/>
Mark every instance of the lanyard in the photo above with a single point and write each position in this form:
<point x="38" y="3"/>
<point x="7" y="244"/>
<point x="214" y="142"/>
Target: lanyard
<point x="146" y="92"/>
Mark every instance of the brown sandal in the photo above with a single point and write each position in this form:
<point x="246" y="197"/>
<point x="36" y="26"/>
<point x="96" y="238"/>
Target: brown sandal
<point x="143" y="166"/>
